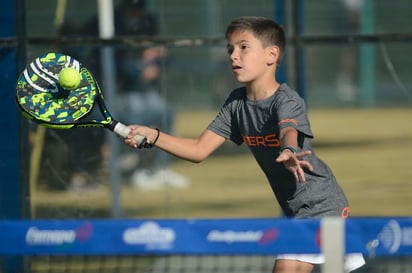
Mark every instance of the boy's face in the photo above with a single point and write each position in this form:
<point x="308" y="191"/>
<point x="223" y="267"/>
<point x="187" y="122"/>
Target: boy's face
<point x="249" y="59"/>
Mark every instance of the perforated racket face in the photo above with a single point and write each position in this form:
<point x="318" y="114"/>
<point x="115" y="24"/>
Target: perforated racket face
<point x="41" y="97"/>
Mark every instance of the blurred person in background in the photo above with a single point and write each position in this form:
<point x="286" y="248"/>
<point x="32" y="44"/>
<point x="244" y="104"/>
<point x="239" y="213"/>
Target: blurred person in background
<point x="139" y="79"/>
<point x="348" y="22"/>
<point x="138" y="75"/>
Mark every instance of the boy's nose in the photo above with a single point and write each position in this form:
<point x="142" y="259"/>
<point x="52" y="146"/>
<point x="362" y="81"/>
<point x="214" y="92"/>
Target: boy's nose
<point x="234" y="55"/>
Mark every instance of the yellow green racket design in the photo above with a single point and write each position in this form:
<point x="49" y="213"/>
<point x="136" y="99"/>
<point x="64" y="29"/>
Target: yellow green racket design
<point x="42" y="99"/>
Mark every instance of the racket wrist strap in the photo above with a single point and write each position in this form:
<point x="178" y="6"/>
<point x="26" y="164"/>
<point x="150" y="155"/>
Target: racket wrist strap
<point x="151" y="145"/>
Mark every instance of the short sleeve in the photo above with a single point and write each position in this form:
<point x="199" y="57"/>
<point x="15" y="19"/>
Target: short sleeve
<point x="225" y="123"/>
<point x="292" y="113"/>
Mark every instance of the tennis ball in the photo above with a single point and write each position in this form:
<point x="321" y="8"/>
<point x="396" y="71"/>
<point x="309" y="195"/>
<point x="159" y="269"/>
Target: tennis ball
<point x="69" y="78"/>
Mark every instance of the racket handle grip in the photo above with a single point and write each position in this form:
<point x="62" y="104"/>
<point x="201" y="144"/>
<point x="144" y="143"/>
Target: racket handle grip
<point x="123" y="131"/>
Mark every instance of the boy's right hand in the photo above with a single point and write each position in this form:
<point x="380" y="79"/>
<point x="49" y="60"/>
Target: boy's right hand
<point x="149" y="133"/>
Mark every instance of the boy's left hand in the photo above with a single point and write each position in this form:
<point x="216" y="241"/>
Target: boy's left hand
<point x="295" y="163"/>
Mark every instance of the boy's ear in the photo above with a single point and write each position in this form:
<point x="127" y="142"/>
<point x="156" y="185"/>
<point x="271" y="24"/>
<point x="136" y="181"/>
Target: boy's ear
<point x="273" y="55"/>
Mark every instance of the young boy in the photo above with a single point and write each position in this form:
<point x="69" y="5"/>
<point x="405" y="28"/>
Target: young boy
<point x="271" y="119"/>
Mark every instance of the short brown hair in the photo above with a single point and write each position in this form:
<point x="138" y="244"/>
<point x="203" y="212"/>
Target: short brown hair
<point x="266" y="30"/>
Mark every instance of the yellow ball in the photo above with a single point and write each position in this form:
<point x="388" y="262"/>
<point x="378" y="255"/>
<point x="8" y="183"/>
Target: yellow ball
<point x="69" y="78"/>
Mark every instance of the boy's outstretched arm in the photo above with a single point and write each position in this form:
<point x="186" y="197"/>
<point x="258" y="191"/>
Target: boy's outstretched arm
<point x="293" y="161"/>
<point x="194" y="150"/>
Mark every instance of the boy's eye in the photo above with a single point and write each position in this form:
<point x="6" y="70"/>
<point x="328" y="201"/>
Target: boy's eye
<point x="230" y="50"/>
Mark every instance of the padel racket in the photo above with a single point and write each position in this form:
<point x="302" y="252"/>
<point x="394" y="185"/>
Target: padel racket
<point x="40" y="97"/>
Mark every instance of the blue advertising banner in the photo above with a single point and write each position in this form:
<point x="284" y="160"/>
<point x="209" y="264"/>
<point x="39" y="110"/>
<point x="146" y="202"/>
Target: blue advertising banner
<point x="382" y="236"/>
<point x="379" y="236"/>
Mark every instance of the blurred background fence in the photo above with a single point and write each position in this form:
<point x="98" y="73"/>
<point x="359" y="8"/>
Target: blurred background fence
<point x="352" y="52"/>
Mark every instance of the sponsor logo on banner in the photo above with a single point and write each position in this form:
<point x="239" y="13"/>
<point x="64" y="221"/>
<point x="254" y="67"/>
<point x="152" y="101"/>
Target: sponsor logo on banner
<point x="151" y="235"/>
<point x="250" y="236"/>
<point x="56" y="237"/>
<point x="393" y="236"/>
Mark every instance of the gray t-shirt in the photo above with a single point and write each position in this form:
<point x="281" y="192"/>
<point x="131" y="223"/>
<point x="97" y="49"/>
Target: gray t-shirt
<point x="257" y="123"/>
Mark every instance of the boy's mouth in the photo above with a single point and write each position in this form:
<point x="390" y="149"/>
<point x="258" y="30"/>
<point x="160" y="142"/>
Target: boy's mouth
<point x="236" y="67"/>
